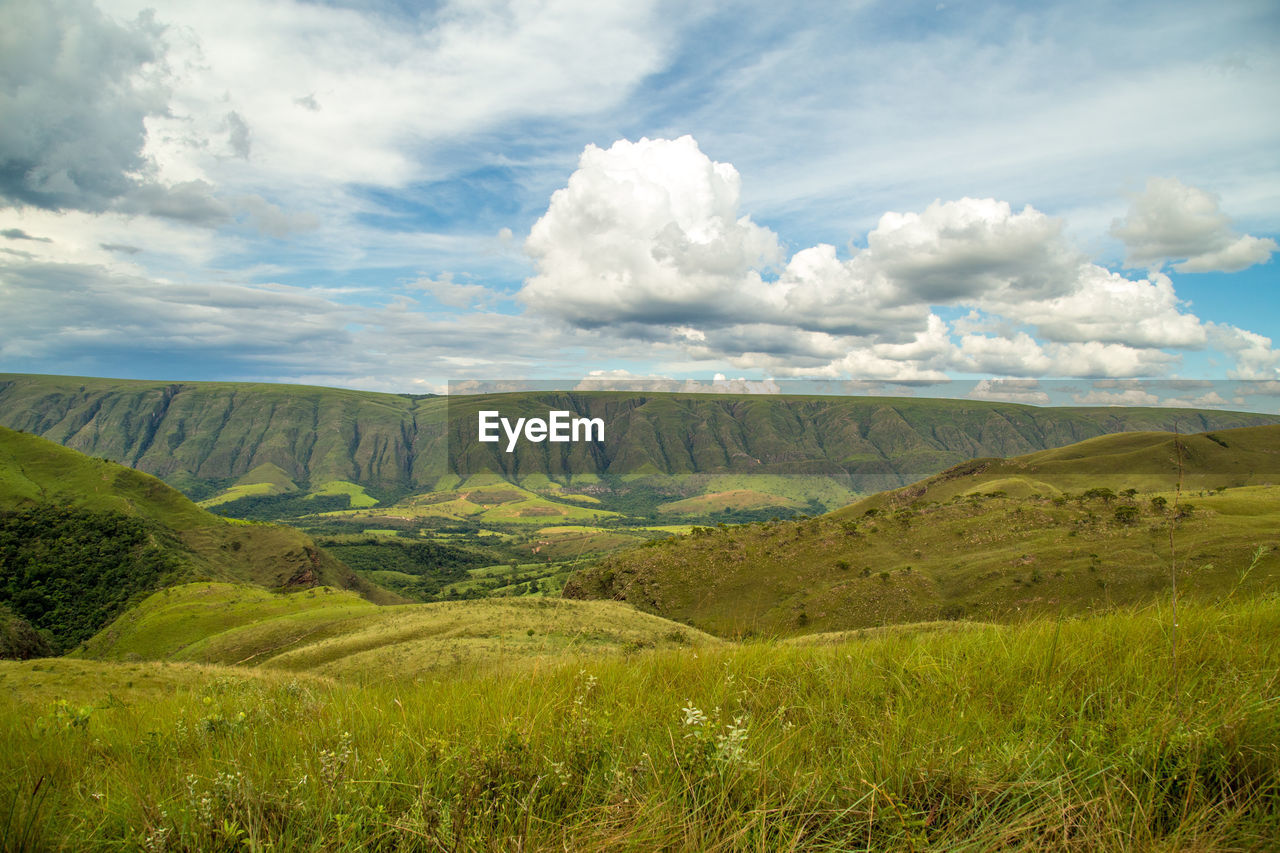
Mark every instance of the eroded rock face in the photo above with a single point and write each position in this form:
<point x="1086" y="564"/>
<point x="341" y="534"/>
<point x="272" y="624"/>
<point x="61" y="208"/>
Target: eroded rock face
<point x="308" y="574"/>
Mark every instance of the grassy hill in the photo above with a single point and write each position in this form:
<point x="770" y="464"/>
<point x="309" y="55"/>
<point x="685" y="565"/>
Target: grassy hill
<point x="1040" y="707"/>
<point x="1050" y="532"/>
<point x="80" y="537"/>
<point x="335" y="632"/>
<point x="1146" y="461"/>
<point x="1072" y="734"/>
<point x="229" y="441"/>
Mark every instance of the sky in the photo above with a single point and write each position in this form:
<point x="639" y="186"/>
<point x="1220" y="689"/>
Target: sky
<point x="395" y="196"/>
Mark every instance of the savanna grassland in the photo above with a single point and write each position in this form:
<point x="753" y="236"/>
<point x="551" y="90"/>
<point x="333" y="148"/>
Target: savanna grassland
<point x="1074" y="529"/>
<point x="372" y="476"/>
<point x="988" y="659"/>
<point x="1072" y="734"/>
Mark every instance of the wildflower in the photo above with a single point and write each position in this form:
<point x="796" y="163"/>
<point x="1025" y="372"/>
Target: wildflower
<point x="731" y="745"/>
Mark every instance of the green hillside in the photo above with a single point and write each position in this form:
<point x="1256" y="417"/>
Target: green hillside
<point x="240" y="440"/>
<point x="335" y="632"/>
<point x="1079" y="528"/>
<point x="81" y="537"/>
<point x="1077" y="734"/>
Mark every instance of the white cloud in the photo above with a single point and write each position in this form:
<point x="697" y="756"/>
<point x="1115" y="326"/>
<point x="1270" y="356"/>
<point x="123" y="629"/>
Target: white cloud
<point x="83" y="318"/>
<point x="1211" y="399"/>
<point x="352" y="92"/>
<point x="1253" y="354"/>
<point x="960" y="252"/>
<point x="1269" y="387"/>
<point x="1170" y="220"/>
<point x="449" y="292"/>
<point x="1240" y="254"/>
<point x="648" y="232"/>
<point x="1019" y="355"/>
<point x="1010" y="391"/>
<point x="648" y="241"/>
<point x="817" y="291"/>
<point x="1130" y="397"/>
<point x="1106" y="307"/>
<point x="1098" y="359"/>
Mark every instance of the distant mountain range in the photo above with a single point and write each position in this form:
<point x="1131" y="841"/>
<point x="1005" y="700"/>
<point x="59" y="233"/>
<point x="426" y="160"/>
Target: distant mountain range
<point x="202" y="436"/>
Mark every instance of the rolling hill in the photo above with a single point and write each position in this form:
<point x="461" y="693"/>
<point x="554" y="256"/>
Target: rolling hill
<point x="227" y="440"/>
<point x="1071" y="529"/>
<point x="79" y="537"/>
<point x="337" y="633"/>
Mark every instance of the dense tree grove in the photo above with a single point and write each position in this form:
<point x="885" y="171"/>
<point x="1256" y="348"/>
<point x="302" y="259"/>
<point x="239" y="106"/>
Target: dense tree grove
<point x="69" y="571"/>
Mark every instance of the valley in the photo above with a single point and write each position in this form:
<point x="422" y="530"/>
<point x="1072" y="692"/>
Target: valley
<point x="983" y="657"/>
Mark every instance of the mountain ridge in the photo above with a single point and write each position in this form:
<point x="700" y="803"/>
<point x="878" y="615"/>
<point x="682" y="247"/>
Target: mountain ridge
<point x="203" y="436"/>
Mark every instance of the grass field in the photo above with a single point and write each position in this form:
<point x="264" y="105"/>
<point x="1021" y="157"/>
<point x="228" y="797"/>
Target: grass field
<point x="986" y="660"/>
<point x="498" y="503"/>
<point x="265" y="479"/>
<point x="1078" y="734"/>
<point x="359" y="498"/>
<point x="330" y="631"/>
<point x="731" y="499"/>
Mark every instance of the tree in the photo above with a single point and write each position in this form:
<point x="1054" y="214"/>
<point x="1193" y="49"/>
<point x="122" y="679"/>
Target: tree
<point x="1127" y="514"/>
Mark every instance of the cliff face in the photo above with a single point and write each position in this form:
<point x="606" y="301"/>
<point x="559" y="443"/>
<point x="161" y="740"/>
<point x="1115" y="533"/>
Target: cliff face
<point x="198" y="435"/>
<point x="206" y="432"/>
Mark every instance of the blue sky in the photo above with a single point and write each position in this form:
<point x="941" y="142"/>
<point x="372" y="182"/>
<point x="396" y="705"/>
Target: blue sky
<point x="393" y="195"/>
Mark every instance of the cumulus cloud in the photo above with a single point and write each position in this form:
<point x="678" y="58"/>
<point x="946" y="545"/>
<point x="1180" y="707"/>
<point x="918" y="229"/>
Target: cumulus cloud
<point x="647" y="232"/>
<point x="1109" y="308"/>
<point x="1128" y="397"/>
<point x="623" y="380"/>
<point x="959" y="252"/>
<point x="820" y="292"/>
<point x="1170" y="221"/>
<point x="1253" y="354"/>
<point x="75" y="90"/>
<point x="1018" y="355"/>
<point x="1010" y="391"/>
<point x="648" y="241"/>
<point x="1098" y="359"/>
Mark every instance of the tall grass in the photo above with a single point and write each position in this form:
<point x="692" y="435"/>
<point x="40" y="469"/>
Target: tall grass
<point x="1047" y="735"/>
